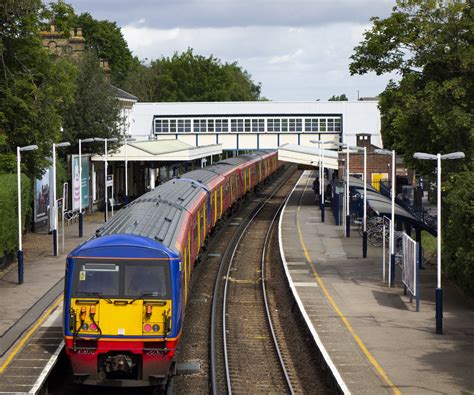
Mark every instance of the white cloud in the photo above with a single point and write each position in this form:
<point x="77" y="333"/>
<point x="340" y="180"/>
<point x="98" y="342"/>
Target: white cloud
<point x="303" y="63"/>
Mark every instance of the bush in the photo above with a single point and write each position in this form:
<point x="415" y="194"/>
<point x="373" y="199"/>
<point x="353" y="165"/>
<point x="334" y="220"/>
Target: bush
<point x="458" y="237"/>
<point x="9" y="210"/>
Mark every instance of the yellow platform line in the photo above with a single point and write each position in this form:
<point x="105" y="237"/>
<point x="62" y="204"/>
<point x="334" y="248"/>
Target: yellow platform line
<point x="25" y="338"/>
<point x="346" y="322"/>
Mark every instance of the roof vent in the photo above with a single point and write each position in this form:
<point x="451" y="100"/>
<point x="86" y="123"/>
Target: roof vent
<point x="168" y="219"/>
<point x="158" y="238"/>
<point x="135" y="223"/>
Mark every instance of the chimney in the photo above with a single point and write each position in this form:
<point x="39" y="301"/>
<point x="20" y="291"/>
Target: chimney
<point x="363" y="140"/>
<point x="79" y="31"/>
<point x="72" y="32"/>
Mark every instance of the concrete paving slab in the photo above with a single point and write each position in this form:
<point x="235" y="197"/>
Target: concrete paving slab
<point x="372" y="333"/>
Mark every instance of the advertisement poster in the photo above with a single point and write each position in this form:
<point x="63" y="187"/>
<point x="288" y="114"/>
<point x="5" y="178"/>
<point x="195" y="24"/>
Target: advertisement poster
<point x="76" y="184"/>
<point x="42" y="198"/>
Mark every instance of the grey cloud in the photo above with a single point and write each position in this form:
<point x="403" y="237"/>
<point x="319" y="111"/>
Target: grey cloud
<point x="166" y="14"/>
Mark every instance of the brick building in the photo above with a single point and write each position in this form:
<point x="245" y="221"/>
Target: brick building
<point x="378" y="165"/>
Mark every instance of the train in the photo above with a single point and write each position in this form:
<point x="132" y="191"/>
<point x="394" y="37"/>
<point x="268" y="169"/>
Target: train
<point x="126" y="287"/>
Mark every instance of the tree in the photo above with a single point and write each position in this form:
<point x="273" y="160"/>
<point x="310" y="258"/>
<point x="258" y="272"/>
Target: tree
<point x="34" y="86"/>
<point x="190" y="77"/>
<point x="106" y="39"/>
<point x="429" y="43"/>
<point x="342" y="97"/>
<point x="94" y="111"/>
<point x="103" y="37"/>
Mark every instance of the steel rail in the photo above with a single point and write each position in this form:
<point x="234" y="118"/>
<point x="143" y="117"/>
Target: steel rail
<point x="264" y="292"/>
<point x="231" y="250"/>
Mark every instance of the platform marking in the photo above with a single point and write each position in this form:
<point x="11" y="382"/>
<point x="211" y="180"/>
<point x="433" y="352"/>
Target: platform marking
<point x="346" y="322"/>
<point x="47" y="369"/>
<point x="312" y="284"/>
<point x="22" y="342"/>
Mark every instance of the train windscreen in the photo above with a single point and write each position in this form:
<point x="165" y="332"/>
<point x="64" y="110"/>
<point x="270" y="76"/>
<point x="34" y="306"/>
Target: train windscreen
<point x="127" y="279"/>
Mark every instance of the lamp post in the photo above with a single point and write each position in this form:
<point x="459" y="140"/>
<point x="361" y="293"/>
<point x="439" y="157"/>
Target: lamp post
<point x="106" y="215"/>
<point x="321" y="169"/>
<point x="20" y="241"/>
<point x="439" y="290"/>
<point x="392" y="221"/>
<point x="55" y="203"/>
<point x="348" y="214"/>
<point x="126" y="198"/>
<point x="364" y="233"/>
<point x="81" y="215"/>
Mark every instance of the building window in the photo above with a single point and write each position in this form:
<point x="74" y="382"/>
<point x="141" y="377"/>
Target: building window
<point x="322" y="124"/>
<point x="330" y="124"/>
<point x="222" y="125"/>
<point x="337" y="125"/>
<point x="284" y="125"/>
<point x="210" y="125"/>
<point x="299" y="124"/>
<point x="311" y="125"/>
<point x="269" y="125"/>
<point x="276" y="125"/>
<point x="247" y="126"/>
<point x="172" y="125"/>
<point x="261" y="125"/>
<point x="233" y="125"/>
<point x="184" y="126"/>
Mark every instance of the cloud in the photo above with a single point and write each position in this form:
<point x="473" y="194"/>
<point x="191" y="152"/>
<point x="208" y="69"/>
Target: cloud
<point x="167" y="14"/>
<point x="303" y="63"/>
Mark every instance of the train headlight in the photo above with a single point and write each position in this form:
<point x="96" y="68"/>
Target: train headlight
<point x="156" y="328"/>
<point x="146" y="328"/>
<point x="85" y="326"/>
<point x="93" y="327"/>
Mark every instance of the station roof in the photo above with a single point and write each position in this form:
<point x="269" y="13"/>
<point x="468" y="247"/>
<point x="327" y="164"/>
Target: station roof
<point x="307" y="155"/>
<point x="160" y="150"/>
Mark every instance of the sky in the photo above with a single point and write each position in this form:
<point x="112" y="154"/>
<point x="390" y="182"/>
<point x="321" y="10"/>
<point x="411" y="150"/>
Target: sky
<point x="298" y="50"/>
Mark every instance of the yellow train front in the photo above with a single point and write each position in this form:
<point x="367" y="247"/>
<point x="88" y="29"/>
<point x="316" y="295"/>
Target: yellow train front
<point x="122" y="314"/>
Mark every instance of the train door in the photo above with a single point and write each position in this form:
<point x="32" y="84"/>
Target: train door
<point x="220" y="216"/>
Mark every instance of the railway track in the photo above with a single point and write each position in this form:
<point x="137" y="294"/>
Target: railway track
<point x="245" y="353"/>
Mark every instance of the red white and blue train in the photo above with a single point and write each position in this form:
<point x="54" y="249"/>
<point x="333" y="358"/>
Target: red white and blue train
<point x="127" y="287"/>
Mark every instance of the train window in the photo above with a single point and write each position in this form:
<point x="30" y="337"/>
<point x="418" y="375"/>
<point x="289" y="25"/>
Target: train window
<point x="196" y="234"/>
<point x="101" y="278"/>
<point x="150" y="280"/>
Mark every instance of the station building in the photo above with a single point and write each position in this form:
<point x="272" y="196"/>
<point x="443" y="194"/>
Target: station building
<point x="257" y="125"/>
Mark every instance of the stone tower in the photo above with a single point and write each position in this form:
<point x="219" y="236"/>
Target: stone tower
<point x="57" y="42"/>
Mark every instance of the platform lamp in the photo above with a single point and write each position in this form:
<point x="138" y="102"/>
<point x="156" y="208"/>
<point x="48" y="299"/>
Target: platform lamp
<point x="127" y="140"/>
<point x="321" y="169"/>
<point x="348" y="213"/>
<point x="439" y="291"/>
<point x="81" y="214"/>
<point x="106" y="215"/>
<point x="19" y="150"/>
<point x="392" y="221"/>
<point x="55" y="203"/>
<point x="364" y="233"/>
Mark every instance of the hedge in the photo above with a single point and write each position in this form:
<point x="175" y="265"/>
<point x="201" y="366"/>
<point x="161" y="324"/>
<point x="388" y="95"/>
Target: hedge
<point x="9" y="210"/>
<point x="458" y="230"/>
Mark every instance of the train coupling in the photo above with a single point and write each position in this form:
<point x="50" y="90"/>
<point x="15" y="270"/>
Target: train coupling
<point x="116" y="364"/>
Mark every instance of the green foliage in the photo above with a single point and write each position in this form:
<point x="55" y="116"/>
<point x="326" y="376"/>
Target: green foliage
<point x="94" y="111"/>
<point x="458" y="238"/>
<point x="34" y="88"/>
<point x="189" y="77"/>
<point x="429" y="43"/>
<point x="106" y="39"/>
<point x="342" y="97"/>
<point x="9" y="210"/>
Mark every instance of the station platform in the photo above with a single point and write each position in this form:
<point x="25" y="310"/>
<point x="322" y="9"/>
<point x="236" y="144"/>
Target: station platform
<point x="30" y="313"/>
<point x="370" y="335"/>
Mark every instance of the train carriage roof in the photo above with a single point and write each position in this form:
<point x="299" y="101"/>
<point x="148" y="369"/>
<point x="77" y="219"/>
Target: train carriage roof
<point x="157" y="214"/>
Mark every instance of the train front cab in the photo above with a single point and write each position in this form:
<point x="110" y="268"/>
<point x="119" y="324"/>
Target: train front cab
<point x="122" y="316"/>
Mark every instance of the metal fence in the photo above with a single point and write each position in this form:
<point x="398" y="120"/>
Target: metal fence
<point x="410" y="267"/>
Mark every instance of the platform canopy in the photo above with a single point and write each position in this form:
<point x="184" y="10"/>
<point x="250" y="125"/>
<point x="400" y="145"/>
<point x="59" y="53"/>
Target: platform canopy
<point x="307" y="155"/>
<point x="160" y="150"/>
